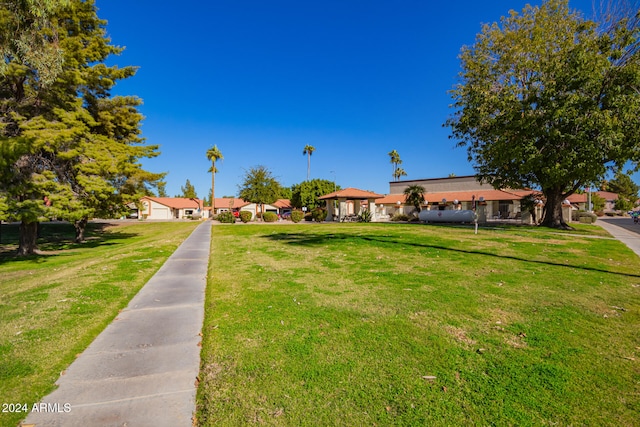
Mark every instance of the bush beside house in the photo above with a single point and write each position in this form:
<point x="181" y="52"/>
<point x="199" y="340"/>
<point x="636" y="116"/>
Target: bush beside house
<point x="245" y="216"/>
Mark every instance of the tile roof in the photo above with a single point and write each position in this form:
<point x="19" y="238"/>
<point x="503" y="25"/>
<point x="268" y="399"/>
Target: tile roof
<point x="461" y="196"/>
<point x="351" y="193"/>
<point x="176" y="202"/>
<point x="282" y="203"/>
<point x="226" y="202"/>
<point x="582" y="198"/>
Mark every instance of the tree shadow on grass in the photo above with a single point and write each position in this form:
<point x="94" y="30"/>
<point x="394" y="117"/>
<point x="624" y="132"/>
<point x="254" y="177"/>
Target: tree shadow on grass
<point x="56" y="239"/>
<point x="302" y="239"/>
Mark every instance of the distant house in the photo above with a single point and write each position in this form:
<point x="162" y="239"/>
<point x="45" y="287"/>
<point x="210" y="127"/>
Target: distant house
<point x="229" y="204"/>
<point x="459" y="192"/>
<point x="170" y="208"/>
<point x="580" y="201"/>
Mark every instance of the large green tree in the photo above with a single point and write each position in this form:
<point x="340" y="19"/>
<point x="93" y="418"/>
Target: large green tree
<point x="27" y="33"/>
<point x="550" y="100"/>
<point x="307" y="193"/>
<point x="68" y="149"/>
<point x="260" y="187"/>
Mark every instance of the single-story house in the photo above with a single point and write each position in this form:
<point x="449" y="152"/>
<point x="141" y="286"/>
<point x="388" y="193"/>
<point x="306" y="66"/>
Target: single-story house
<point x="460" y="192"/>
<point x="581" y="201"/>
<point x="229" y="204"/>
<point x="170" y="208"/>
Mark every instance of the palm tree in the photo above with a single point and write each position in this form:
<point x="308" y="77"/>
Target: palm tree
<point x="395" y="161"/>
<point x="414" y="196"/>
<point x="214" y="155"/>
<point x="398" y="173"/>
<point x="308" y="151"/>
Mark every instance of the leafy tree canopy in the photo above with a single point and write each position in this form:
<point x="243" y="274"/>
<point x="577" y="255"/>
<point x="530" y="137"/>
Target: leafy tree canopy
<point x="307" y="193"/>
<point x="550" y="100"/>
<point x="624" y="186"/>
<point x="415" y="196"/>
<point x="188" y="191"/>
<point x="627" y="191"/>
<point x="259" y="186"/>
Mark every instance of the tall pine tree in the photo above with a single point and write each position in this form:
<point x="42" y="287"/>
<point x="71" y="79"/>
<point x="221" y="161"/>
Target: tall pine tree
<point x="69" y="149"/>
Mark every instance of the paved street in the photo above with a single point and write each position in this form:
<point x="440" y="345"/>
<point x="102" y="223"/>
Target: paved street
<point x="626" y="223"/>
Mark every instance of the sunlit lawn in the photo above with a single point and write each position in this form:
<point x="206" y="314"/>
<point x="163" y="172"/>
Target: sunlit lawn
<point x="386" y="324"/>
<point x="53" y="305"/>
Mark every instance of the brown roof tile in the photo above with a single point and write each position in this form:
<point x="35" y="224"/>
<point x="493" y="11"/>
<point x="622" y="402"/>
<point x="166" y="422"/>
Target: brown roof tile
<point x="351" y="193"/>
<point x="176" y="202"/>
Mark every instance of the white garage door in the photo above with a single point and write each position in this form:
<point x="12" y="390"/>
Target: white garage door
<point x="160" y="213"/>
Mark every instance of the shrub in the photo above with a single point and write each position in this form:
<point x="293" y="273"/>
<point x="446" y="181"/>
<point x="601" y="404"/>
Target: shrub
<point x="587" y="217"/>
<point x="400" y="217"/>
<point x="245" y="216"/>
<point x="319" y="214"/>
<point x="366" y="216"/>
<point x="227" y="218"/>
<point x="269" y="217"/>
<point x="296" y="216"/>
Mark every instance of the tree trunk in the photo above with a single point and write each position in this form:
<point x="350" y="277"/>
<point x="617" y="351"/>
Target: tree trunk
<point x="553" y="211"/>
<point x="28" y="238"/>
<point x="80" y="226"/>
<point x="213" y="186"/>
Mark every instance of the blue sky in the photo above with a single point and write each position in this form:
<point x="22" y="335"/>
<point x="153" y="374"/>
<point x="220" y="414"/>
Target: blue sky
<point x="262" y="79"/>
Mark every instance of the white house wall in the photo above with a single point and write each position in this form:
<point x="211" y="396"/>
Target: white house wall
<point x="154" y="210"/>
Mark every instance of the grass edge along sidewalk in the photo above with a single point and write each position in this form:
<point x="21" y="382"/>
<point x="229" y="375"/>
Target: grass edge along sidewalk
<point x="363" y="324"/>
<point x="52" y="306"/>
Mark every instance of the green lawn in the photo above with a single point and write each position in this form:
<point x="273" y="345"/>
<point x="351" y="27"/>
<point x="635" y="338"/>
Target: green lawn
<point x="53" y="305"/>
<point x="387" y="324"/>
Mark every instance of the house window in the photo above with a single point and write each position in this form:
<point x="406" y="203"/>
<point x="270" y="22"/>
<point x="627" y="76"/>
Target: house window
<point x="188" y="211"/>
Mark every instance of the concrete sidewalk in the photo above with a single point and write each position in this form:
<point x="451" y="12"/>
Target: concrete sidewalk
<point x="141" y="370"/>
<point x="629" y="238"/>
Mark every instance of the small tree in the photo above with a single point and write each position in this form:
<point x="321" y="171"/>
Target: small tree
<point x="415" y="196"/>
<point x="627" y="191"/>
<point x="162" y="189"/>
<point x="399" y="172"/>
<point x="188" y="191"/>
<point x="259" y="187"/>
